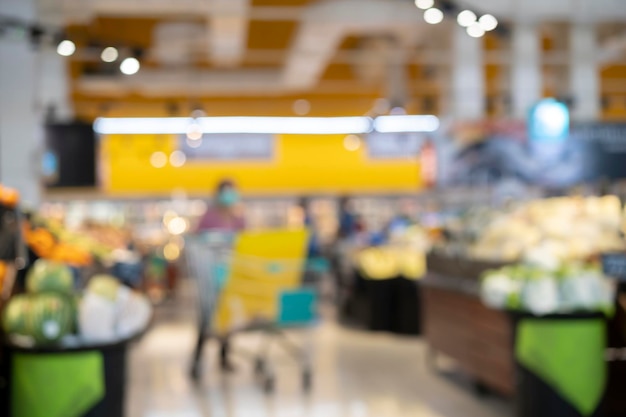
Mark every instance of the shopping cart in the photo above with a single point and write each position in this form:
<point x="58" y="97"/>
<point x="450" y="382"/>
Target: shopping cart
<point x="252" y="282"/>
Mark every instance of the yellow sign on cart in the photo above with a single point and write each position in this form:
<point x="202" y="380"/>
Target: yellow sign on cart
<point x="263" y="265"/>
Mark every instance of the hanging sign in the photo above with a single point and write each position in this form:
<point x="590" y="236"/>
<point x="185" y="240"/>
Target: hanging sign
<point x="394" y="145"/>
<point x="229" y="147"/>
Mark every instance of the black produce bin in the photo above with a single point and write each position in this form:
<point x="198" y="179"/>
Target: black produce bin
<point x="534" y="397"/>
<point x="114" y="358"/>
<point x="391" y="305"/>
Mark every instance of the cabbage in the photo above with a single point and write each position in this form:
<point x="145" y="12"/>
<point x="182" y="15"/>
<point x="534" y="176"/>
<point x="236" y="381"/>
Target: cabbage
<point x="497" y="289"/>
<point x="541" y="296"/>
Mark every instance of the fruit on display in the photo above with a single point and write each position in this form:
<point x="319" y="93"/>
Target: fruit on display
<point x="48" y="276"/>
<point x="16" y="318"/>
<point x="9" y="197"/>
<point x="377" y="263"/>
<point x="403" y="256"/>
<point x="46" y="317"/>
<point x="105" y="286"/>
<point x="51" y="317"/>
<point x="550" y="231"/>
<point x="570" y="288"/>
<point x="111" y="311"/>
<point x="3" y="272"/>
<point x="383" y="262"/>
<point x="107" y="311"/>
<point x="45" y="245"/>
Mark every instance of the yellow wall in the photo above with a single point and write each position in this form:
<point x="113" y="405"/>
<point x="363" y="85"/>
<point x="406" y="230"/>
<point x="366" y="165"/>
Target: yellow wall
<point x="302" y="165"/>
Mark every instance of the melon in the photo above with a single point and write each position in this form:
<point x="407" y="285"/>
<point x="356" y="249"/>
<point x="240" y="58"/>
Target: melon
<point x="105" y="286"/>
<point x="51" y="317"/>
<point x="46" y="276"/>
<point x="17" y="314"/>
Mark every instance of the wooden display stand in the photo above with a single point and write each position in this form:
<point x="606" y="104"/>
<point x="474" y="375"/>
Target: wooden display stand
<point x="457" y="324"/>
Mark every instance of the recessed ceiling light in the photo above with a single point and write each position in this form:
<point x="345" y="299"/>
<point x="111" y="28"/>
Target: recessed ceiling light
<point x="466" y="18"/>
<point x="424" y="4"/>
<point x="66" y="48"/>
<point x="130" y="66"/>
<point x="109" y="54"/>
<point x="475" y="30"/>
<point x="488" y="22"/>
<point x="433" y="16"/>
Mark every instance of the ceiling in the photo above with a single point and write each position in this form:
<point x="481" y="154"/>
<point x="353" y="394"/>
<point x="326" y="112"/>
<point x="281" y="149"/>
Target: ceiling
<point x="229" y="56"/>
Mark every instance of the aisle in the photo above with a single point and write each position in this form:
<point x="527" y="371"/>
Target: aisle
<point x="356" y="375"/>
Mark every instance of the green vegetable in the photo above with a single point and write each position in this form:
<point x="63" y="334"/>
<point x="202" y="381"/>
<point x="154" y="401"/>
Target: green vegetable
<point x="16" y="315"/>
<point x="51" y="318"/>
<point x="46" y="276"/>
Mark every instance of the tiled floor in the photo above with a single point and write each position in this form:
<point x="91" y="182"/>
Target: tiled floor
<point x="357" y="374"/>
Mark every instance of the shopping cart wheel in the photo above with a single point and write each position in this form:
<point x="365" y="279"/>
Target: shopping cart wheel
<point x="259" y="366"/>
<point x="269" y="383"/>
<point x="307" y="380"/>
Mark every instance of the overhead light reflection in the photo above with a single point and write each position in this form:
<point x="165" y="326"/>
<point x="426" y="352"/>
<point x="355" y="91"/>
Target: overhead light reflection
<point x="433" y="16"/>
<point x="266" y="125"/>
<point x="488" y="22"/>
<point x="130" y="66"/>
<point x="424" y="4"/>
<point x="466" y="18"/>
<point x="408" y="123"/>
<point x="109" y="54"/>
<point x="475" y="30"/>
<point x="66" y="48"/>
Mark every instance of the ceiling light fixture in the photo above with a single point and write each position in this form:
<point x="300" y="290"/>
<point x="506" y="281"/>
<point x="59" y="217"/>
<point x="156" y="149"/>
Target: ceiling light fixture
<point x="424" y="4"/>
<point x="475" y="30"/>
<point x="466" y="18"/>
<point x="130" y="66"/>
<point x="267" y="125"/>
<point x="194" y="131"/>
<point x="408" y="123"/>
<point x="66" y="48"/>
<point x="193" y="143"/>
<point x="109" y="54"/>
<point x="433" y="16"/>
<point x="488" y="22"/>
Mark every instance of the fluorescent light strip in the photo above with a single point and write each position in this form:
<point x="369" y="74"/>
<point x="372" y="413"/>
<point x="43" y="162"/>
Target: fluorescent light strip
<point x="139" y="125"/>
<point x="287" y="125"/>
<point x="408" y="123"/>
<point x="270" y="125"/>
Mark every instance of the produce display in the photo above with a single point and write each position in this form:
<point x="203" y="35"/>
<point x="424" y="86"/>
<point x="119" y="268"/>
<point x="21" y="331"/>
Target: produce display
<point x="404" y="256"/>
<point x="51" y="312"/>
<point x="110" y="311"/>
<point x="3" y="272"/>
<point x="48" y="246"/>
<point x="535" y="289"/>
<point x="548" y="232"/>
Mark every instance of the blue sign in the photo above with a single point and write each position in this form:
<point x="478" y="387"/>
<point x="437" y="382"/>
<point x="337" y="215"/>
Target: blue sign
<point x="49" y="164"/>
<point x="549" y="121"/>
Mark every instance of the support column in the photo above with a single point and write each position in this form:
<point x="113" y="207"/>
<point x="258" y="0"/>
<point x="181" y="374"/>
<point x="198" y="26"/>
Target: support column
<point x="53" y="89"/>
<point x="526" y="76"/>
<point x="20" y="126"/>
<point x="468" y="77"/>
<point x="584" y="80"/>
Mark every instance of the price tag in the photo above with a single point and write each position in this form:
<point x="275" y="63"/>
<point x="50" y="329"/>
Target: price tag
<point x="614" y="265"/>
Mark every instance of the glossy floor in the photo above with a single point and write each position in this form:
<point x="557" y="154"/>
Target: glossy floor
<point x="357" y="374"/>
